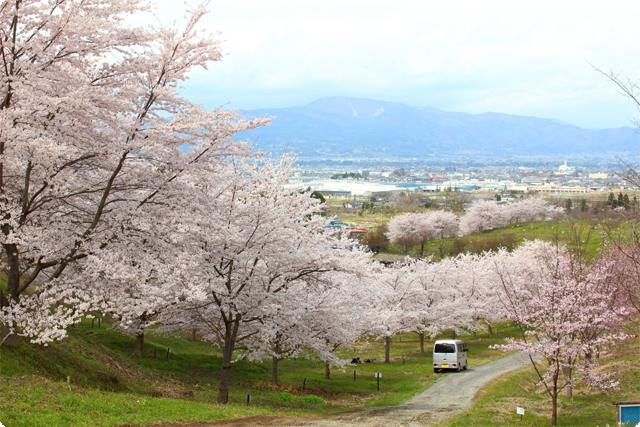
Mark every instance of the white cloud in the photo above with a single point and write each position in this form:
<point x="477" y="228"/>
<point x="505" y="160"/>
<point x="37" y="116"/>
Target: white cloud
<point x="513" y="57"/>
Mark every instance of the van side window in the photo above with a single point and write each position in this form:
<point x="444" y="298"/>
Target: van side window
<point x="459" y="348"/>
<point x="445" y="348"/>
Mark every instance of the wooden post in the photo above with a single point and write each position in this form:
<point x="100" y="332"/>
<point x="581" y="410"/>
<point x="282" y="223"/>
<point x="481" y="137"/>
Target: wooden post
<point x="168" y="350"/>
<point x="304" y="384"/>
<point x="248" y="399"/>
<point x="354" y="374"/>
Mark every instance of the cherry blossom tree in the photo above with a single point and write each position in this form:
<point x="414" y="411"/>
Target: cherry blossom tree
<point x="134" y="280"/>
<point x="442" y="225"/>
<point x="92" y="128"/>
<point x="408" y="230"/>
<point x="485" y="215"/>
<point x="425" y="284"/>
<point x="477" y="294"/>
<point x="567" y="311"/>
<point x="255" y="253"/>
<point x="395" y="301"/>
<point x="318" y="321"/>
<point x="626" y="259"/>
<point x="526" y="210"/>
<point x="418" y="228"/>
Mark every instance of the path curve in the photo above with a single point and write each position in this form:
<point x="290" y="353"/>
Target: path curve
<point x="449" y="395"/>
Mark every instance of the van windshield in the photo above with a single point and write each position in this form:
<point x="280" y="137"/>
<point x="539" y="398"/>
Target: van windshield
<point x="445" y="348"/>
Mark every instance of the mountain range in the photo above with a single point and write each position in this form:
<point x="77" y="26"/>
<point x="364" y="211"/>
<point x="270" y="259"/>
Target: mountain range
<point x="354" y="127"/>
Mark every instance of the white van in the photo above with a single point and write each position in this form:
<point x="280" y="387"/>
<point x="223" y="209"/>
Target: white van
<point x="449" y="354"/>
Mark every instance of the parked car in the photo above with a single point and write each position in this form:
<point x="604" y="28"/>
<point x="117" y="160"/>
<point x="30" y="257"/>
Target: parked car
<point x="449" y="354"/>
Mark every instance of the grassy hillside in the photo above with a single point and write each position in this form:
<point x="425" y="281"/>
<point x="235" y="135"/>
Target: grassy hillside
<point x="496" y="404"/>
<point x="585" y="235"/>
<point x="92" y="379"/>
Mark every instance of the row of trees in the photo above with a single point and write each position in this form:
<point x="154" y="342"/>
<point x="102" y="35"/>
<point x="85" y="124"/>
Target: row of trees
<point x="409" y="230"/>
<point x="418" y="228"/>
<point x="118" y="195"/>
<point x="569" y="311"/>
<point x="622" y="200"/>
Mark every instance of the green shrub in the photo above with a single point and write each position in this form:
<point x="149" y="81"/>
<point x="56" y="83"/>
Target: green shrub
<point x="283" y="397"/>
<point x="311" y="398"/>
<point x="286" y="398"/>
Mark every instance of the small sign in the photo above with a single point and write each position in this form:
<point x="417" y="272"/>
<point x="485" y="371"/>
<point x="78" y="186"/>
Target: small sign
<point x="378" y="375"/>
<point x="520" y="411"/>
<point x="628" y="412"/>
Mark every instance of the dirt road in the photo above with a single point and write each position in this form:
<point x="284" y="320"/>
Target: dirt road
<point x="449" y="395"/>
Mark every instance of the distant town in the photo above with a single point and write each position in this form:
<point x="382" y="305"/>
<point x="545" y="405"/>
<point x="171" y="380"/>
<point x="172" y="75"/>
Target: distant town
<point x="559" y="180"/>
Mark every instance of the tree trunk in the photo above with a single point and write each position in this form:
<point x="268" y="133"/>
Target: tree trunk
<point x="387" y="348"/>
<point x="194" y="334"/>
<point x="274" y="364"/>
<point x="554" y="399"/>
<point x="231" y="332"/>
<point x="490" y="329"/>
<point x="421" y="335"/>
<point x="140" y="344"/>
<point x="13" y="287"/>
<point x="453" y="335"/>
<point x="274" y="369"/>
<point x="474" y="335"/>
<point x="567" y="377"/>
<point x="225" y="376"/>
<point x="327" y="370"/>
<point x="10" y="340"/>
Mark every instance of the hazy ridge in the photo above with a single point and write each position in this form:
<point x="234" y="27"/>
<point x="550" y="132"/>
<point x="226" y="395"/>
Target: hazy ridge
<point x="342" y="126"/>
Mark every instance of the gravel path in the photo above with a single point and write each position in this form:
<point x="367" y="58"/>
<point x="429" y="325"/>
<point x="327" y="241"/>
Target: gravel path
<point x="449" y="395"/>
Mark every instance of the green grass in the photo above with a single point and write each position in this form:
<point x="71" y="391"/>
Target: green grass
<point x="34" y="401"/>
<point x="496" y="403"/>
<point x="92" y="379"/>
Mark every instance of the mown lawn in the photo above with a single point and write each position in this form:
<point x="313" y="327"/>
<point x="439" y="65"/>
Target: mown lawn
<point x="92" y="379"/>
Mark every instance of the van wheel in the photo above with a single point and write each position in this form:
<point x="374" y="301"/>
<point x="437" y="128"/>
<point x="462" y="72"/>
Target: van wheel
<point x="458" y="368"/>
<point x="465" y="366"/>
<point x="436" y="370"/>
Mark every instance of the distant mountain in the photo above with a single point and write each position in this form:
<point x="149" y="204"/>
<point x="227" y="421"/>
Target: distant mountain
<point x="342" y="126"/>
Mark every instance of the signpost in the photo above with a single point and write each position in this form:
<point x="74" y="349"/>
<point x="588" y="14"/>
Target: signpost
<point x="520" y="411"/>
<point x="378" y="376"/>
<point x="354" y="374"/>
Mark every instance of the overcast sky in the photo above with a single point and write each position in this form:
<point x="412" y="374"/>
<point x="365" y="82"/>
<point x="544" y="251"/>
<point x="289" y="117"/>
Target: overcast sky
<point x="525" y="58"/>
